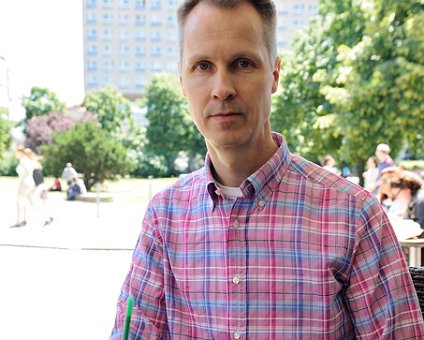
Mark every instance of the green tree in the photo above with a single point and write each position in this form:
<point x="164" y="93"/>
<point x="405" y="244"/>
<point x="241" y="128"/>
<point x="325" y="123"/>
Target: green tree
<point x="5" y="136"/>
<point x="382" y="96"/>
<point x="170" y="129"/>
<point x="355" y="79"/>
<point x="300" y="109"/>
<point x="91" y="150"/>
<point x="112" y="110"/>
<point x="40" y="102"/>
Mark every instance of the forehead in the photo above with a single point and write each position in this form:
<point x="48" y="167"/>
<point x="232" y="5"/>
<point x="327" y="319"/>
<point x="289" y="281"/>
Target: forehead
<point x="209" y="28"/>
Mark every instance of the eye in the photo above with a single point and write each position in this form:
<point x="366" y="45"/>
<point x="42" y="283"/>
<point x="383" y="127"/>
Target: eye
<point x="202" y="66"/>
<point x="244" y="63"/>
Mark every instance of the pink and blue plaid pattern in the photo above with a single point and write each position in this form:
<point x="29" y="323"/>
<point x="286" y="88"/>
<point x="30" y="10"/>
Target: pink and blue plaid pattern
<point x="304" y="254"/>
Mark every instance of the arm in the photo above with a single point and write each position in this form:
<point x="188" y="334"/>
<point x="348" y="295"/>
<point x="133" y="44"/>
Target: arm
<point x="145" y="282"/>
<point x="380" y="292"/>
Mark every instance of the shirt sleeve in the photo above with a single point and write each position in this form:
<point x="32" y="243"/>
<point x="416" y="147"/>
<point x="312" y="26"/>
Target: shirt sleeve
<point x="380" y="293"/>
<point x="145" y="282"/>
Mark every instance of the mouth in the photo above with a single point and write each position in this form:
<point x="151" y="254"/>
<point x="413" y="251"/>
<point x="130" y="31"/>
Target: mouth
<point x="224" y="115"/>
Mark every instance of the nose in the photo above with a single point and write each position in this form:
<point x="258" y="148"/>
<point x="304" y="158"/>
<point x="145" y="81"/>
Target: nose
<point x="223" y="86"/>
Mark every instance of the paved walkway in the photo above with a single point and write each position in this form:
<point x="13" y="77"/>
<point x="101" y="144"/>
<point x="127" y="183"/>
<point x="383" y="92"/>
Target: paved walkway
<point x="79" y="225"/>
<point x="63" y="281"/>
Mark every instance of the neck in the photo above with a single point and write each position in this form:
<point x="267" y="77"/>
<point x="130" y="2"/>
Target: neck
<point x="231" y="166"/>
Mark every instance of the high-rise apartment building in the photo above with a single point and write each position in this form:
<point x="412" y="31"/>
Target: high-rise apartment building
<point x="127" y="41"/>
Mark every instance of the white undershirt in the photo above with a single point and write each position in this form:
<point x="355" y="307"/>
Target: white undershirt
<point x="230" y="192"/>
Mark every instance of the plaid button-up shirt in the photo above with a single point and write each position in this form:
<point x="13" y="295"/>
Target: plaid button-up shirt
<point x="303" y="254"/>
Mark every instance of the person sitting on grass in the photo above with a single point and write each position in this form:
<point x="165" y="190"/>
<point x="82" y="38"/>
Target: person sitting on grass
<point x="76" y="188"/>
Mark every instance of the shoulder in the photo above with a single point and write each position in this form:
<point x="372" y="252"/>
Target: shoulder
<point x="321" y="182"/>
<point x="182" y="191"/>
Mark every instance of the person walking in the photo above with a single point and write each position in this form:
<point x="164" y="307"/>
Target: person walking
<point x="371" y="174"/>
<point x="259" y="243"/>
<point x="26" y="185"/>
<point x="382" y="152"/>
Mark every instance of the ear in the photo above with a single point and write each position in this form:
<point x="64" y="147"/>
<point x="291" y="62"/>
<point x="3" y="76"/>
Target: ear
<point x="181" y="80"/>
<point x="276" y="74"/>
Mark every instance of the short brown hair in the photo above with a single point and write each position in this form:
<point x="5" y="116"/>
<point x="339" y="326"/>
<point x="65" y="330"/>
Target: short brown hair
<point x="265" y="9"/>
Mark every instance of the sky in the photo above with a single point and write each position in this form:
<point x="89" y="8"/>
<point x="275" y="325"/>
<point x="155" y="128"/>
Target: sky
<point x="42" y="43"/>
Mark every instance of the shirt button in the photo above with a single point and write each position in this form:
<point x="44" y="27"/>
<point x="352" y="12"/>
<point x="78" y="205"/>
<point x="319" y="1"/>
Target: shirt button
<point x="261" y="203"/>
<point x="236" y="224"/>
<point x="236" y="279"/>
<point x="237" y="335"/>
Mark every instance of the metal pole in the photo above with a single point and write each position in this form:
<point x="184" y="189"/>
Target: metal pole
<point x="98" y="198"/>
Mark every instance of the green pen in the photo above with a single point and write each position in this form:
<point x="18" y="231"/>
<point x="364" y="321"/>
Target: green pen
<point x="128" y="317"/>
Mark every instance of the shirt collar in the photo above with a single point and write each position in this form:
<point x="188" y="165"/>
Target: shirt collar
<point x="262" y="182"/>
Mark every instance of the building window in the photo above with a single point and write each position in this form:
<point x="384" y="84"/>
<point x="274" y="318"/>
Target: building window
<point x="156" y="5"/>
<point x="172" y="37"/>
<point x="92" y="34"/>
<point x="107" y="49"/>
<point x="92" y="49"/>
<point x="313" y="9"/>
<point x="108" y="65"/>
<point x="107" y="33"/>
<point x="139" y="83"/>
<point x="156" y="67"/>
<point x="297" y="23"/>
<point x="91" y="65"/>
<point x="91" y="3"/>
<point x="298" y="8"/>
<point x="140" y="19"/>
<point x="92" y="82"/>
<point x="91" y="18"/>
<point x="139" y="36"/>
<point x="171" y="20"/>
<point x="140" y="51"/>
<point x="171" y="67"/>
<point x="125" y="49"/>
<point x="123" y="83"/>
<point x="156" y="36"/>
<point x="172" y="51"/>
<point x="139" y="4"/>
<point x="156" y="21"/>
<point x="125" y="65"/>
<point x="125" y="34"/>
<point x="125" y="3"/>
<point x="140" y="66"/>
<point x="124" y="18"/>
<point x="156" y="51"/>
<point x="107" y="17"/>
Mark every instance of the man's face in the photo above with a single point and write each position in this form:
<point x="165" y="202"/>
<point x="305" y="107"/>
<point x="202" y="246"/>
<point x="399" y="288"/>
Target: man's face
<point x="226" y="76"/>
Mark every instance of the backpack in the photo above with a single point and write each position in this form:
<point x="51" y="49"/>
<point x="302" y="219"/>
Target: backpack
<point x="38" y="176"/>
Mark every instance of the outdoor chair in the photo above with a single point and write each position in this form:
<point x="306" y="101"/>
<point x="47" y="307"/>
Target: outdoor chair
<point x="417" y="274"/>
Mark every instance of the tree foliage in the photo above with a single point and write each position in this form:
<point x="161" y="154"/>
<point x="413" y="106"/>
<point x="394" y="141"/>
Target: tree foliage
<point x="112" y="110"/>
<point x="170" y="130"/>
<point x="382" y="98"/>
<point x="91" y="150"/>
<point x="40" y="129"/>
<point x="354" y="79"/>
<point x="40" y="102"/>
<point x="5" y="136"/>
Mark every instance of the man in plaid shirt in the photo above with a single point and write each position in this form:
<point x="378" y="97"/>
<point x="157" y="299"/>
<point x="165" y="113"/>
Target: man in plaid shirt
<point x="259" y="243"/>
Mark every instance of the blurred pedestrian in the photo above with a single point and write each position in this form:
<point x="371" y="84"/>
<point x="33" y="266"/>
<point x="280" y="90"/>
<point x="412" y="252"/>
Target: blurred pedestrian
<point x="382" y="152"/>
<point x="69" y="173"/>
<point x="371" y="174"/>
<point x="329" y="163"/>
<point x="39" y="194"/>
<point x="26" y="184"/>
<point x="405" y="191"/>
<point x="76" y="188"/>
<point x="56" y="186"/>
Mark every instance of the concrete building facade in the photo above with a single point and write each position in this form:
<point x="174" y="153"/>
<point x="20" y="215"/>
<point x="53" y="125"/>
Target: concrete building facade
<point x="127" y="41"/>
